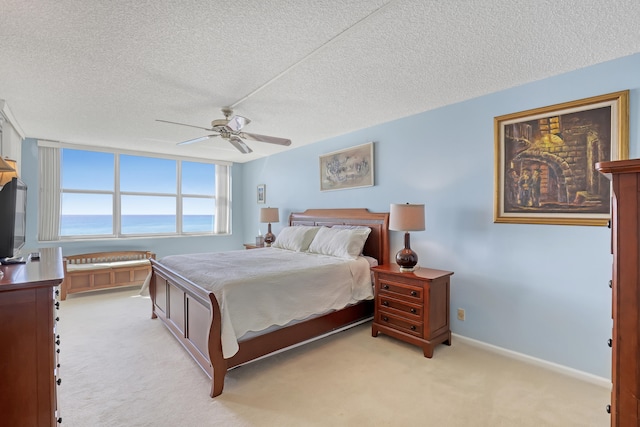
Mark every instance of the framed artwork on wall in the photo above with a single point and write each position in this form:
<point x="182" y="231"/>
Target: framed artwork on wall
<point x="545" y="161"/>
<point x="262" y="193"/>
<point x="348" y="168"/>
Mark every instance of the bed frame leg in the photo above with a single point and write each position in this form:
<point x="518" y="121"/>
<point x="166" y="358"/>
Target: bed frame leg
<point x="217" y="384"/>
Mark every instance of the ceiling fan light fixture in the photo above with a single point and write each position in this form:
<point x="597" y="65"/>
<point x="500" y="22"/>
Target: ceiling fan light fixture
<point x="229" y="128"/>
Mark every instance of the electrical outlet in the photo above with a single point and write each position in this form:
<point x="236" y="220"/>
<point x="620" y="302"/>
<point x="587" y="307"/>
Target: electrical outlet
<point x="461" y="314"/>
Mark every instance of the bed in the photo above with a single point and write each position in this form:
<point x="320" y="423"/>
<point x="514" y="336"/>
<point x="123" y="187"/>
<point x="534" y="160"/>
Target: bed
<point x="195" y="317"/>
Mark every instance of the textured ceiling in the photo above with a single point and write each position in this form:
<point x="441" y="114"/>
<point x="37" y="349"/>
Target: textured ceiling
<point x="100" y="72"/>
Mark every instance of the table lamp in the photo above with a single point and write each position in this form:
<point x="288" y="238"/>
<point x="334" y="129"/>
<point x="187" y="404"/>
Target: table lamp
<point x="269" y="215"/>
<point x="8" y="170"/>
<point x="406" y="218"/>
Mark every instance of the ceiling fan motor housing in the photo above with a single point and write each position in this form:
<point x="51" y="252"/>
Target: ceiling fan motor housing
<point x="219" y="123"/>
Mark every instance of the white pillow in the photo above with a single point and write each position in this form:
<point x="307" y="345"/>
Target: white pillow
<point x="340" y="242"/>
<point x="296" y="238"/>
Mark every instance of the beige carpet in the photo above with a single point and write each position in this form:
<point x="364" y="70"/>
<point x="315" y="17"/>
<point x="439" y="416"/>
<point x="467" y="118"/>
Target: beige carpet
<point x="120" y="368"/>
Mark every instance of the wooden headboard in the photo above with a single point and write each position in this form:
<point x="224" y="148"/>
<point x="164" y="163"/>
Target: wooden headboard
<point x="377" y="245"/>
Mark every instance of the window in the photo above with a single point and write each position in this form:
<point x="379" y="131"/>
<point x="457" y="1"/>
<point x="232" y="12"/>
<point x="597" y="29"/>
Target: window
<point x="119" y="194"/>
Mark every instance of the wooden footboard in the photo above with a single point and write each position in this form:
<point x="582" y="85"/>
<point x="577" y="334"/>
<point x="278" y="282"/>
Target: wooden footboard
<point x="192" y="314"/>
<point x="193" y="317"/>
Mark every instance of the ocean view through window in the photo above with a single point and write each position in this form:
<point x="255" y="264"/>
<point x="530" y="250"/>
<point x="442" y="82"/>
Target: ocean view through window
<point x="106" y="194"/>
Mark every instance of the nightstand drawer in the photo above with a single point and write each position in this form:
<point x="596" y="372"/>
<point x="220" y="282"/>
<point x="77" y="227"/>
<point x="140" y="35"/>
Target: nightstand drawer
<point x="399" y="323"/>
<point x="400" y="290"/>
<point x="398" y="307"/>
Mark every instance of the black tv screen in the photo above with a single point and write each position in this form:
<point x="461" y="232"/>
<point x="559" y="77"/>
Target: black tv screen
<point x="13" y="217"/>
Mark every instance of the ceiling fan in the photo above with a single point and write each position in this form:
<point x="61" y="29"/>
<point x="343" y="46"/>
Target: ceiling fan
<point x="230" y="128"/>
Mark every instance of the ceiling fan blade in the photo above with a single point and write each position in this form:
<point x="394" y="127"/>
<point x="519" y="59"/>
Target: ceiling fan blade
<point x="191" y="141"/>
<point x="237" y="122"/>
<point x="240" y="145"/>
<point x="265" y="138"/>
<point x="184" y="124"/>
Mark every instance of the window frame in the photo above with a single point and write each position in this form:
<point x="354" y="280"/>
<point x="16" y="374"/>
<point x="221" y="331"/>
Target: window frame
<point x="117" y="194"/>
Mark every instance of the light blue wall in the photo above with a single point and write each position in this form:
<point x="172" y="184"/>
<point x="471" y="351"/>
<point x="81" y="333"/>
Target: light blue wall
<point x="160" y="245"/>
<point x="541" y="290"/>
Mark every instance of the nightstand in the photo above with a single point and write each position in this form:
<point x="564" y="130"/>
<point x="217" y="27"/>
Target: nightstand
<point x="412" y="307"/>
<point x="251" y="246"/>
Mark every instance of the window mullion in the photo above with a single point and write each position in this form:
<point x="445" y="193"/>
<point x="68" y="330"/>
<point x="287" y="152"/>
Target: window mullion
<point x="179" y="196"/>
<point x="116" y="197"/>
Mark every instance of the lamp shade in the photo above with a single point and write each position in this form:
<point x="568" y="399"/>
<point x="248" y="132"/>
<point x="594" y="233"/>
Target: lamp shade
<point x="269" y="215"/>
<point x="406" y="217"/>
<point x="8" y="170"/>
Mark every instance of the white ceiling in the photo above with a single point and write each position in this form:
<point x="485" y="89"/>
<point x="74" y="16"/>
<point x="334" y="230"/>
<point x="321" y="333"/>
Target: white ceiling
<point x="100" y="72"/>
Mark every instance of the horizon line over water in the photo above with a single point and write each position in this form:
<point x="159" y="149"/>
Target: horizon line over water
<point x="86" y="225"/>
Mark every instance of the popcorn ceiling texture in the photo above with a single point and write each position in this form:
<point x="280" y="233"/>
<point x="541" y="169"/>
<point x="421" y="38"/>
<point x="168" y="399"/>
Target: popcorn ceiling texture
<point x="100" y="73"/>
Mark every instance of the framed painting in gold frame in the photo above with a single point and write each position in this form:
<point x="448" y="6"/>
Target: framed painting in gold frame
<point x="545" y="161"/>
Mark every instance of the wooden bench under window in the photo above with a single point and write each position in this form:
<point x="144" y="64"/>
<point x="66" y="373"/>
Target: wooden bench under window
<point x="104" y="270"/>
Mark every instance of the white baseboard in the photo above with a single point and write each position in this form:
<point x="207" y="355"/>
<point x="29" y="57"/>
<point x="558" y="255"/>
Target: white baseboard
<point x="581" y="375"/>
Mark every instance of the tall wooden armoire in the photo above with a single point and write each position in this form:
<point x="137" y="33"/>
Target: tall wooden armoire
<point x="625" y="247"/>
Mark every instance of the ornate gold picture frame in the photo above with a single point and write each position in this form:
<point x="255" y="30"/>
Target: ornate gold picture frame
<point x="545" y="161"/>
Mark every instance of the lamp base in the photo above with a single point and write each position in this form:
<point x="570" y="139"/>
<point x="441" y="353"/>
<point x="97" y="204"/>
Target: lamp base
<point x="406" y="258"/>
<point x="269" y="238"/>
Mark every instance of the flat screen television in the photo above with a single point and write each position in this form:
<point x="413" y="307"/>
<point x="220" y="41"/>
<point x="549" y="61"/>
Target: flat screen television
<point x="13" y="217"/>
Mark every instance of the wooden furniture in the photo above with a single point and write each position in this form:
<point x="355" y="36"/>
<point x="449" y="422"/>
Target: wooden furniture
<point x="29" y="365"/>
<point x="625" y="247"/>
<point x="104" y="270"/>
<point x="193" y="314"/>
<point x="252" y="246"/>
<point x="412" y="307"/>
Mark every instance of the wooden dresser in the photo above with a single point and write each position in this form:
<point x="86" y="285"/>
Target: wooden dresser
<point x="413" y="307"/>
<point x="29" y="349"/>
<point x="625" y="247"/>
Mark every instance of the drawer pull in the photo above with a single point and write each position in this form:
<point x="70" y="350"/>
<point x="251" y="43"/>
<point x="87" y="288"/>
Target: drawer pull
<point x="414" y="294"/>
<point x="385" y="318"/>
<point x="58" y="342"/>
<point x="59" y="381"/>
<point x="386" y="287"/>
<point x="608" y="407"/>
<point x="609" y="342"/>
<point x="413" y="327"/>
<point x="59" y="420"/>
<point x="385" y="303"/>
<point x="413" y="311"/>
<point x="57" y="318"/>
<point x="57" y="305"/>
<point x="611" y="283"/>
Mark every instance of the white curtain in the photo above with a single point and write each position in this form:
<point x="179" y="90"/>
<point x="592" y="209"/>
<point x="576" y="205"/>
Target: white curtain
<point x="223" y="184"/>
<point x="49" y="197"/>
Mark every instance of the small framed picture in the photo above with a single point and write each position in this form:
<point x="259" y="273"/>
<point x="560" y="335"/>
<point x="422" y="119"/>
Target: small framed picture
<point x="262" y="193"/>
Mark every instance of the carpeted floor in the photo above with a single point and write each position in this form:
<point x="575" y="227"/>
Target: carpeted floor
<point x="120" y="368"/>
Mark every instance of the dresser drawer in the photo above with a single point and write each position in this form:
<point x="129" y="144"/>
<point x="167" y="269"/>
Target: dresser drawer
<point x="399" y="290"/>
<point x="401" y="308"/>
<point x="399" y="323"/>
